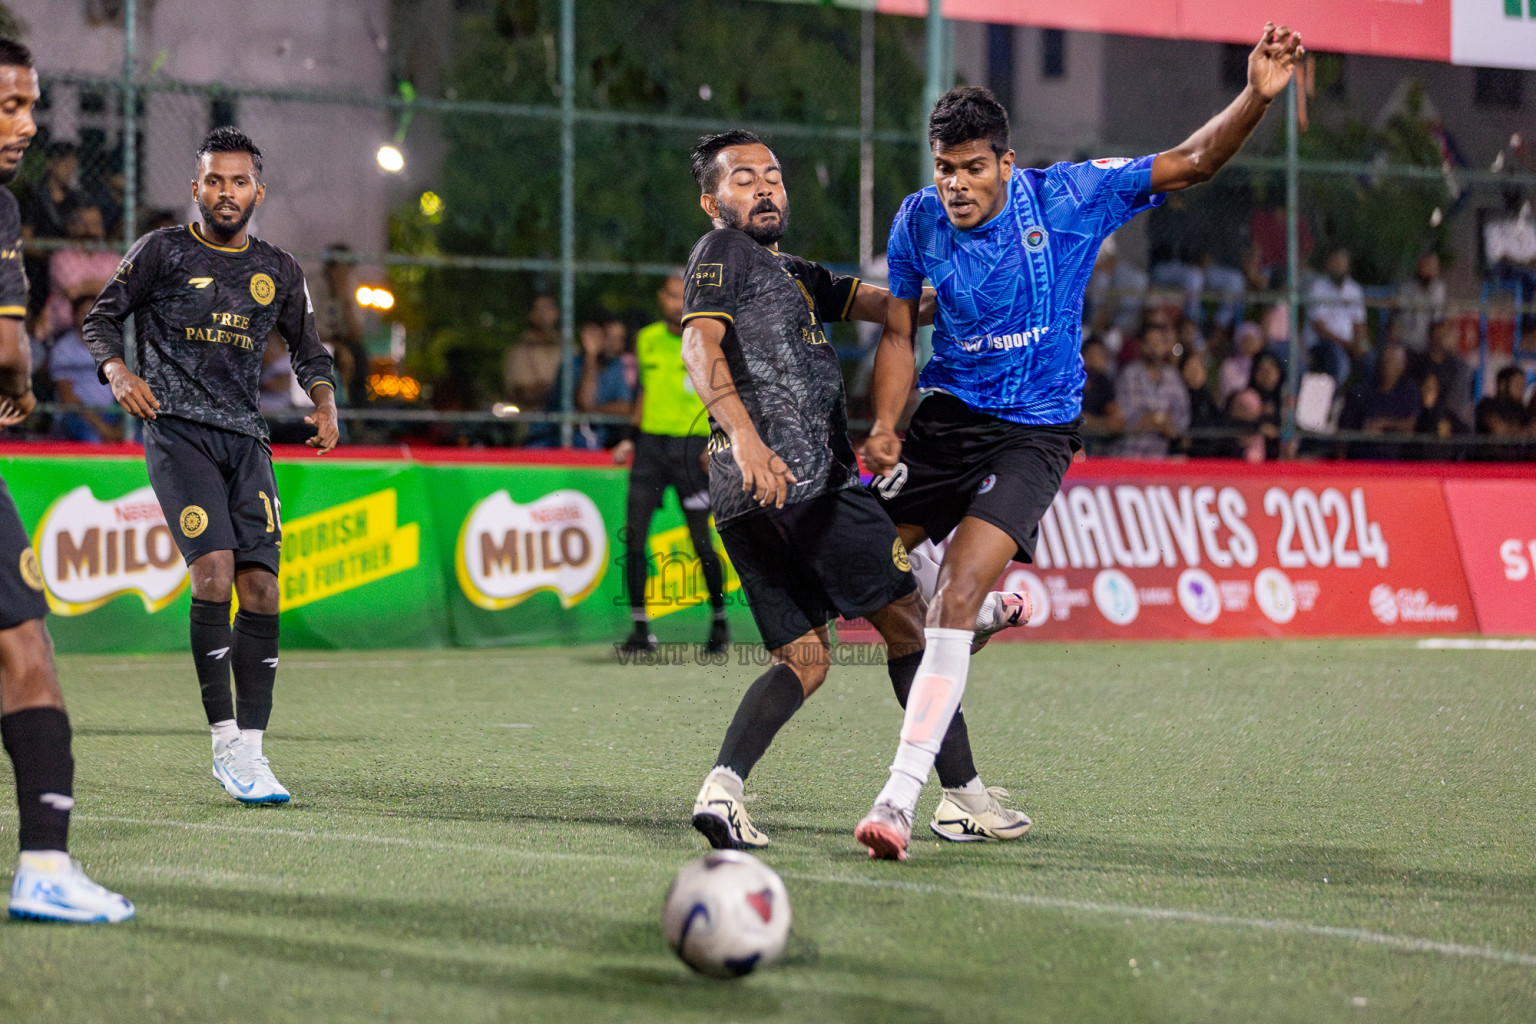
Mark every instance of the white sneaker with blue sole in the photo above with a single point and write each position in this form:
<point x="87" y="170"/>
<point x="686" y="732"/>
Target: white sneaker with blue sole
<point x="245" y="776"/>
<point x="53" y="887"/>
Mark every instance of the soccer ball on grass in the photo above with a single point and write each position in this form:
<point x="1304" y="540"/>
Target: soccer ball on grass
<point x="726" y="914"/>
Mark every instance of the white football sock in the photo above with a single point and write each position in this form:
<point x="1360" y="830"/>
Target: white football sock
<point x="252" y="738"/>
<point x="926" y="568"/>
<point x="51" y="861"/>
<point x="930" y="708"/>
<point x="223" y="732"/>
<point x="972" y="788"/>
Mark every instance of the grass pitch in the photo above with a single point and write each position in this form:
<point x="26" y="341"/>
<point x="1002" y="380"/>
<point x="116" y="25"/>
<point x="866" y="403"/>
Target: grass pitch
<point x="1294" y="831"/>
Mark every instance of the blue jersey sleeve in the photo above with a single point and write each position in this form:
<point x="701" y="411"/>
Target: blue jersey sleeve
<point x="1103" y="194"/>
<point x="906" y="272"/>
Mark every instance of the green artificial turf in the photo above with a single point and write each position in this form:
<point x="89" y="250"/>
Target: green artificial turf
<point x="1253" y="832"/>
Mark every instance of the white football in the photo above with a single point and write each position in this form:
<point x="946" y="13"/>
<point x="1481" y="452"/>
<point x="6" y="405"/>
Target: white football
<point x="726" y="914"/>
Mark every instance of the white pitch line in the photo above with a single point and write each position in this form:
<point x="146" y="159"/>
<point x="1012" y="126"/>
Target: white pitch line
<point x="1437" y="643"/>
<point x="1405" y="943"/>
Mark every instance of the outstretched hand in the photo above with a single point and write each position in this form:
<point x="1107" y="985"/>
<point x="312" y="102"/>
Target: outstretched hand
<point x="1274" y="60"/>
<point x="14" y="410"/>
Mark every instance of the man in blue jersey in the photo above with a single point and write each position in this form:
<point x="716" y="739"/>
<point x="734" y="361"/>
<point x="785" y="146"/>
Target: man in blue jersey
<point x="1009" y="252"/>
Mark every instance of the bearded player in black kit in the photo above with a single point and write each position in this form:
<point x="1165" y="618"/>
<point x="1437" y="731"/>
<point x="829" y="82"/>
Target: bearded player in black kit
<point x="207" y="295"/>
<point x="48" y="885"/>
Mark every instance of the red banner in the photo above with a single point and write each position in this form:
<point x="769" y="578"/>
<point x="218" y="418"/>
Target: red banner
<point x="1211" y="550"/>
<point x="1394" y="28"/>
<point x="1495" y="524"/>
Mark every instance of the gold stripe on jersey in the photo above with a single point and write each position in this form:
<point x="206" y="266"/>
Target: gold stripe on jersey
<point x="13" y="310"/>
<point x="222" y="248"/>
<point x="848" y="306"/>
<point x="690" y="316"/>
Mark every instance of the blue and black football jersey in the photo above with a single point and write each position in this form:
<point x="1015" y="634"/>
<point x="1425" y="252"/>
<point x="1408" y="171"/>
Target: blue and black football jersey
<point x="1007" y="336"/>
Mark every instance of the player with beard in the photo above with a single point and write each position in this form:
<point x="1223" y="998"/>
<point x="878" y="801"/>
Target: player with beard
<point x="1009" y="252"/>
<point x="808" y="542"/>
<point x="207" y="295"/>
<point x="48" y="885"/>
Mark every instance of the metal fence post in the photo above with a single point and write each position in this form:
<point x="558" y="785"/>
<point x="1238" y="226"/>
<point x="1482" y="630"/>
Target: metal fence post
<point x="1292" y="257"/>
<point x="130" y="125"/>
<point x="933" y="84"/>
<point x="567" y="217"/>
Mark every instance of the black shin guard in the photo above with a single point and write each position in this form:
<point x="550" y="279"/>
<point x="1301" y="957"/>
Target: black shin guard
<point x="771" y="700"/>
<point x="255" y="659"/>
<point x="211" y="643"/>
<point x="953" y="764"/>
<point x="37" y="740"/>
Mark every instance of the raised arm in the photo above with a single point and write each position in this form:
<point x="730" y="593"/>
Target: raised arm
<point x="763" y="474"/>
<point x="891" y="384"/>
<point x="1199" y="157"/>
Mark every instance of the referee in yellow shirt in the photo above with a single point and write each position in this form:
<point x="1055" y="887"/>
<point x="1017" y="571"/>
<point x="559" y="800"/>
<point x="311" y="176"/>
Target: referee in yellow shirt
<point x="669" y="450"/>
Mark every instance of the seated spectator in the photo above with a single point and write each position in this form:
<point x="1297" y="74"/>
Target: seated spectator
<point x="1503" y="414"/>
<point x="1247" y="342"/>
<point x="1388" y="405"/>
<point x="1244" y="412"/>
<point x="1256" y="409"/>
<point x="1441" y="360"/>
<point x="1419" y="304"/>
<point x="82" y="268"/>
<point x="1101" y="413"/>
<point x="72" y="370"/>
<point x="1152" y="395"/>
<point x="531" y="365"/>
<point x="1116" y="291"/>
<point x="602" y="385"/>
<point x="1435" y="417"/>
<point x="1204" y="413"/>
<point x="1336" y="318"/>
<point x="46" y="203"/>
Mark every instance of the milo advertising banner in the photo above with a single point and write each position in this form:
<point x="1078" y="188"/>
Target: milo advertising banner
<point x="381" y="553"/>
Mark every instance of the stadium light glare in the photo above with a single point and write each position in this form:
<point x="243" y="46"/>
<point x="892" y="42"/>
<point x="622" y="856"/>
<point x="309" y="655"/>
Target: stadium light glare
<point x="375" y="298"/>
<point x="431" y="205"/>
<point x="391" y="159"/>
<point x="502" y="410"/>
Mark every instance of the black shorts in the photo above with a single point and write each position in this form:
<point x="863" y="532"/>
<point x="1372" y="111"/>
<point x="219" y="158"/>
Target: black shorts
<point x="807" y="563"/>
<point x="217" y="490"/>
<point x="957" y="463"/>
<point x="661" y="462"/>
<point x="21" y="581"/>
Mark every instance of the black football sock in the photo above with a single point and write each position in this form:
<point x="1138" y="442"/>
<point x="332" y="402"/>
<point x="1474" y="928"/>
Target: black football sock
<point x="37" y="740"/>
<point x="953" y="764"/>
<point x="211" y="643"/>
<point x="771" y="700"/>
<point x="637" y="552"/>
<point x="255" y="658"/>
<point x="709" y="558"/>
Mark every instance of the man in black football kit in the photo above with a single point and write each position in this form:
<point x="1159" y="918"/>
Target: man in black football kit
<point x="48" y="885"/>
<point x="808" y="542"/>
<point x="206" y="296"/>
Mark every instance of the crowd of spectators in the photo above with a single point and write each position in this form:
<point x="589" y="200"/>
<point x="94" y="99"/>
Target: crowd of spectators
<point x="1192" y="368"/>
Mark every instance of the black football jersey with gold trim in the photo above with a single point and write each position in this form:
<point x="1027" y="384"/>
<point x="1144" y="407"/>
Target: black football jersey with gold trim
<point x="202" y="316"/>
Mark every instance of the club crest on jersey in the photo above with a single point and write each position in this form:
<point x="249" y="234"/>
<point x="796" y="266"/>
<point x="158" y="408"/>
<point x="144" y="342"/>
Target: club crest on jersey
<point x="32" y="576"/>
<point x="262" y="289"/>
<point x="1112" y="163"/>
<point x="987" y="484"/>
<point x="1035" y="238"/>
<point x="193" y="521"/>
<point x="899" y="555"/>
<point x="709" y="274"/>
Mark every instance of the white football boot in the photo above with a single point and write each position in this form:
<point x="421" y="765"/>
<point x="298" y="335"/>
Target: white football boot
<point x="1003" y="609"/>
<point x="977" y="818"/>
<point x="245" y="776"/>
<point x="886" y="830"/>
<point x="53" y="887"/>
<point x="719" y="816"/>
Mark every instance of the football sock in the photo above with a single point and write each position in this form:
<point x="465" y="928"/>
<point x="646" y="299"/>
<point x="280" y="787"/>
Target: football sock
<point x="639" y="617"/>
<point x="252" y="740"/>
<point x="637" y="560"/>
<point x="255" y="658"/>
<point x="771" y="700"/>
<point x="953" y="764"/>
<point x="934" y="700"/>
<point x="37" y="740"/>
<point x="971" y="788"/>
<point x="926" y="569"/>
<point x="224" y="732"/>
<point x="709" y="559"/>
<point x="211" y="642"/>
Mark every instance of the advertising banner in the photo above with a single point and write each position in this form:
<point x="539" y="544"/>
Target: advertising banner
<point x="1495" y="524"/>
<point x="1180" y="554"/>
<point x="374" y="554"/>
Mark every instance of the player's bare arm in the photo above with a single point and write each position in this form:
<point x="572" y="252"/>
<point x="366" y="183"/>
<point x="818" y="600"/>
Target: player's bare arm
<point x="891" y="384"/>
<point x="1199" y="157"/>
<point x="129" y="389"/>
<point x="764" y="475"/>
<point x="16" y="399"/>
<point x="323" y="419"/>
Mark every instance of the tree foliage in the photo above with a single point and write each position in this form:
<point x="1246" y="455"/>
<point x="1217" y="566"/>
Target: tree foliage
<point x="747" y="63"/>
